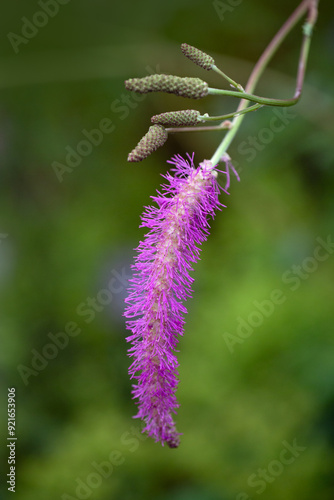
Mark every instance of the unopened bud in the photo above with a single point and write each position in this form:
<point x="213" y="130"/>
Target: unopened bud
<point x="194" y="88"/>
<point x="198" y="56"/>
<point x="186" y="117"/>
<point x="155" y="137"/>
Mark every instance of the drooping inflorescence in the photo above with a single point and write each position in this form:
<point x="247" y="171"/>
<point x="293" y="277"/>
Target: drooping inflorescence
<point x="160" y="285"/>
<point x="178" y="224"/>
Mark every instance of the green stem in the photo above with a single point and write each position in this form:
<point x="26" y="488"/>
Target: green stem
<point x="306" y="5"/>
<point x="230" y="115"/>
<point x="230" y="81"/>
<point x="250" y="97"/>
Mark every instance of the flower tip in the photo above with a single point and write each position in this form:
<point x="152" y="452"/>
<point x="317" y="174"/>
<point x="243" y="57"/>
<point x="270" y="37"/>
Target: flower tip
<point x="174" y="443"/>
<point x="173" y="438"/>
<point x="132" y="157"/>
<point x="128" y="84"/>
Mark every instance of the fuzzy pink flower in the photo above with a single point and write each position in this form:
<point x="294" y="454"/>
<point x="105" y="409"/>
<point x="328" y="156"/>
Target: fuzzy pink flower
<point x="161" y="283"/>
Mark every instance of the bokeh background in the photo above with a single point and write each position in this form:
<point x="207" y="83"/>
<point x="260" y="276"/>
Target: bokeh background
<point x="67" y="240"/>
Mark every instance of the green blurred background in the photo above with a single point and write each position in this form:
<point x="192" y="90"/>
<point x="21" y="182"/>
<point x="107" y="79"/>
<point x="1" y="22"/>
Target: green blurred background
<point x="67" y="241"/>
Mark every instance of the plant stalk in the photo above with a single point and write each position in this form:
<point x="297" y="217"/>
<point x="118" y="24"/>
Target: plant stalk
<point x="306" y="5"/>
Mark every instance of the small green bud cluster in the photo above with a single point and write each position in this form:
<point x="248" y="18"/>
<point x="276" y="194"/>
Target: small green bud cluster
<point x="192" y="88"/>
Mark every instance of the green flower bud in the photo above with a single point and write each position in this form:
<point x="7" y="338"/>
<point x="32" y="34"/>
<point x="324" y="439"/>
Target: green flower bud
<point x="194" y="88"/>
<point x="198" y="56"/>
<point x="186" y="117"/>
<point x="155" y="137"/>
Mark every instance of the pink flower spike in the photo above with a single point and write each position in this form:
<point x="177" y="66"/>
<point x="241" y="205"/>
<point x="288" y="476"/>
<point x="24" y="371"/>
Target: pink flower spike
<point x="160" y="285"/>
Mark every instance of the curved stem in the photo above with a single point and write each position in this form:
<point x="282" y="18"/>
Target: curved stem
<point x="230" y="115"/>
<point x="306" y="5"/>
<point x="255" y="98"/>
